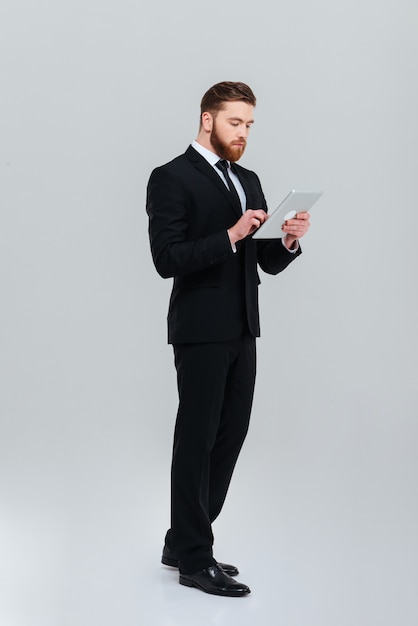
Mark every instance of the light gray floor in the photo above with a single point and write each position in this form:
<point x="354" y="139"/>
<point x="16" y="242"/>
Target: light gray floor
<point x="82" y="546"/>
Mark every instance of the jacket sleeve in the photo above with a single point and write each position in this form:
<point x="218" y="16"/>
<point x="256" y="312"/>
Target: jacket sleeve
<point x="174" y="251"/>
<point x="273" y="257"/>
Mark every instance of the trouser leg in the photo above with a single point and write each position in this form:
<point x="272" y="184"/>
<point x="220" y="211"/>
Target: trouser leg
<point x="233" y="426"/>
<point x="215" y="383"/>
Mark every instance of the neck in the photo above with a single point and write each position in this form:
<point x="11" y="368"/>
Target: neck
<point x="204" y="139"/>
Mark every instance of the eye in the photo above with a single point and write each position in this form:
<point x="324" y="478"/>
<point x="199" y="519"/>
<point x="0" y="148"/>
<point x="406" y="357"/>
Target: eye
<point x="234" y="124"/>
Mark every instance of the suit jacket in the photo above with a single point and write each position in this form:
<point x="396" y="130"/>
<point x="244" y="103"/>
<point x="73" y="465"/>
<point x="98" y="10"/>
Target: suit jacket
<point x="215" y="291"/>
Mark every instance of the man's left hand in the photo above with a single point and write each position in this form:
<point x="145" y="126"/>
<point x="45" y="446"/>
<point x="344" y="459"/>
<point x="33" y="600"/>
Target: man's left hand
<point x="295" y="229"/>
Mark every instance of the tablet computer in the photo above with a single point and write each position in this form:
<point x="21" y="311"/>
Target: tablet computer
<point x="295" y="202"/>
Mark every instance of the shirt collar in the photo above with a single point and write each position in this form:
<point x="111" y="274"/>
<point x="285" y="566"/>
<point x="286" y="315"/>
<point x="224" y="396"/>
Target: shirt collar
<point x="210" y="156"/>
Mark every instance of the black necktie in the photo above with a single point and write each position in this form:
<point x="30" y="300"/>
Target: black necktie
<point x="223" y="166"/>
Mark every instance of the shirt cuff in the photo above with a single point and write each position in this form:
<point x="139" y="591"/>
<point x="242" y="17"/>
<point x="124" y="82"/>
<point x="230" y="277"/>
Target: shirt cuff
<point x="233" y="246"/>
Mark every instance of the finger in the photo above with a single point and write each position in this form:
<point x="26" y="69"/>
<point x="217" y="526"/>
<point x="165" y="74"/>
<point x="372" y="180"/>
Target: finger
<point x="294" y="223"/>
<point x="255" y="224"/>
<point x="260" y="214"/>
<point x="295" y="229"/>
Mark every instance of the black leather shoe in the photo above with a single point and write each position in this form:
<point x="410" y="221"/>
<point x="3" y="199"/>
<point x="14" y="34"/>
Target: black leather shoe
<point x="214" y="580"/>
<point x="170" y="558"/>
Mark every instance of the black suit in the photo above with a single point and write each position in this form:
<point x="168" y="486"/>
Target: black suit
<point x="212" y="321"/>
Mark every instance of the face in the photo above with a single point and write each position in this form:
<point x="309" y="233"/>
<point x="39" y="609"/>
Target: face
<point x="230" y="129"/>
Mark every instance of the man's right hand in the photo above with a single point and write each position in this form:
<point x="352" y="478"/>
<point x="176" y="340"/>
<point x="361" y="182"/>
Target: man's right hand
<point x="247" y="224"/>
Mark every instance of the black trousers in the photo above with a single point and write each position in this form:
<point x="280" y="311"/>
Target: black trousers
<point x="215" y="386"/>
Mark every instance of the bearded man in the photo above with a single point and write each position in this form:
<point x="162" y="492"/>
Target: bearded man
<point x="203" y="209"/>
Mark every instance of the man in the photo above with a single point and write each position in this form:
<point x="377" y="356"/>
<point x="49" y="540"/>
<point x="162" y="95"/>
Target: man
<point x="203" y="209"/>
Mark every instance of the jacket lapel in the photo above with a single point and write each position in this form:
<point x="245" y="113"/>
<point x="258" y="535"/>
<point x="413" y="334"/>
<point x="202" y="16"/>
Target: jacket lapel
<point x="203" y="166"/>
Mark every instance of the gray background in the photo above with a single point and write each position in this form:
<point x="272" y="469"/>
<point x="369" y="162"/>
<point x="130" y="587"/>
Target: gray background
<point x="322" y="513"/>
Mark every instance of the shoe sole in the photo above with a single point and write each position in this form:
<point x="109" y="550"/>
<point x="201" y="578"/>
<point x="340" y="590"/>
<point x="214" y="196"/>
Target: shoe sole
<point x="216" y="592"/>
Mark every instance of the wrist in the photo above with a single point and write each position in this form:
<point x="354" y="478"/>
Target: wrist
<point x="290" y="242"/>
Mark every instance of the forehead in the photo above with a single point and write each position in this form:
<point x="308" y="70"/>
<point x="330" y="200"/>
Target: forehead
<point x="237" y="109"/>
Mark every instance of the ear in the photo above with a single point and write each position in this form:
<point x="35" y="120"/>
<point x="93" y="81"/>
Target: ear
<point x="207" y="121"/>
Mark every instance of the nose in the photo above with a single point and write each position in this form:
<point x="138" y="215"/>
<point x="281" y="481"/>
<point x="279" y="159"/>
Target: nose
<point x="243" y="131"/>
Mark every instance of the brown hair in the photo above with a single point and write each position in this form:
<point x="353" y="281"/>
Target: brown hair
<point x="227" y="91"/>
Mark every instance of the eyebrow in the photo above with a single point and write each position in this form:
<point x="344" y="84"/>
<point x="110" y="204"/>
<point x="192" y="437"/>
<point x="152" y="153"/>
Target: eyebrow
<point x="239" y="119"/>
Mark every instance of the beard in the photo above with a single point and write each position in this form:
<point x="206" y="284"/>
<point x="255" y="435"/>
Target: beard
<point x="224" y="150"/>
